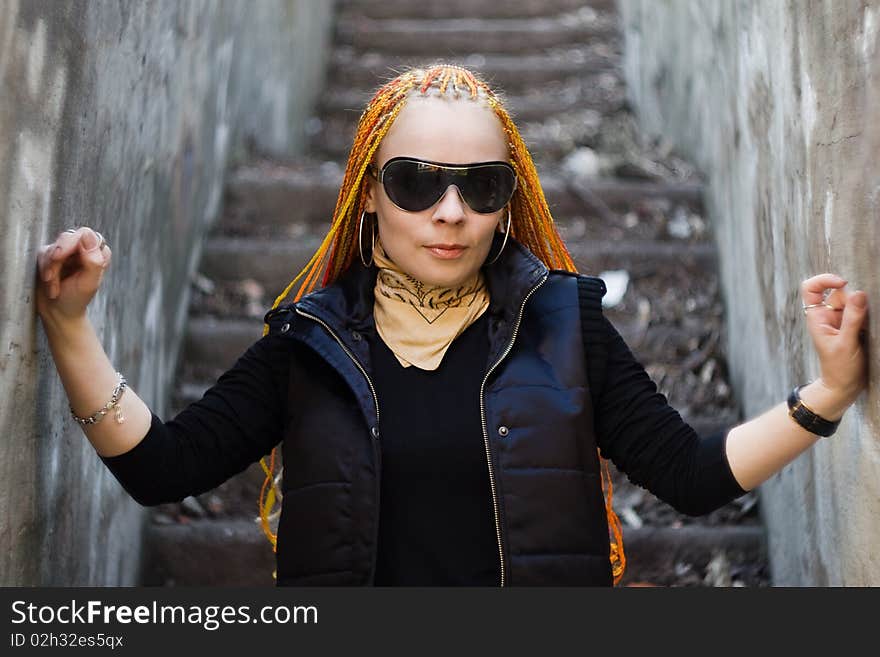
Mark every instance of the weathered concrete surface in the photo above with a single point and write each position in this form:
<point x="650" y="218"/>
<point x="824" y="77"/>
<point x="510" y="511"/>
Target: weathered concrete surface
<point x="122" y="116"/>
<point x="779" y="104"/>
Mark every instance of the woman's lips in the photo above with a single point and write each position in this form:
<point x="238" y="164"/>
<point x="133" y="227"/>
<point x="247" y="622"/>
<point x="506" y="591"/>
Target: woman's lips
<point x="446" y="251"/>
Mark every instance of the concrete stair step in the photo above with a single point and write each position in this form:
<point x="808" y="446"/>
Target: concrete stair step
<point x="353" y="69"/>
<point x="450" y="36"/>
<point x="595" y="256"/>
<point x="272" y="263"/>
<point x="242" y="298"/>
<point x="207" y="552"/>
<point x="602" y="92"/>
<point x="269" y="200"/>
<point x="264" y="198"/>
<point x="236" y="552"/>
<point x="467" y="8"/>
<point x="212" y="346"/>
<point x="656" y="555"/>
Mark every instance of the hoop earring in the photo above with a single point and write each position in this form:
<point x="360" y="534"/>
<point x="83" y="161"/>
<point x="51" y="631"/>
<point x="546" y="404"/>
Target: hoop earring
<point x="360" y="241"/>
<point x="504" y="243"/>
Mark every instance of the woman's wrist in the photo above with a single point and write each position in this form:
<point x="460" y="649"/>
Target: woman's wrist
<point x="56" y="324"/>
<point x="827" y="402"/>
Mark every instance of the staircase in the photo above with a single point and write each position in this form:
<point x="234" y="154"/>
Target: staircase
<point x="623" y="205"/>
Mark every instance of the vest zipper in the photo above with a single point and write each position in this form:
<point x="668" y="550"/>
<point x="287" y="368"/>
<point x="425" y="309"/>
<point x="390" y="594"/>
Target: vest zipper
<point x="375" y="440"/>
<point x="486" y="430"/>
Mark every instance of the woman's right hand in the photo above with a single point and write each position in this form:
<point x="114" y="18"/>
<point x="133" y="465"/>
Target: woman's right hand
<point x="69" y="272"/>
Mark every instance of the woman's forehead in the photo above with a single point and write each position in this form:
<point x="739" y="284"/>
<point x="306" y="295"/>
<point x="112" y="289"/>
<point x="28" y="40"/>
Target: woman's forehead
<point x="445" y="130"/>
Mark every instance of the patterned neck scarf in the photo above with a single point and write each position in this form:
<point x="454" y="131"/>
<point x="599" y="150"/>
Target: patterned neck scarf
<point x="418" y="322"/>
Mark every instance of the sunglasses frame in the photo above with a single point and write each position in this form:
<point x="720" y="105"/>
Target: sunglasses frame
<point x="380" y="177"/>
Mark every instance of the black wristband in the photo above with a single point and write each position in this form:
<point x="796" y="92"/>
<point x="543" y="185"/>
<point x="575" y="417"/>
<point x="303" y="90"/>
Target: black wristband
<point x="807" y="418"/>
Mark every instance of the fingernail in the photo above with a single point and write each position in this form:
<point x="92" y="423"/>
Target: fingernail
<point x="860" y="300"/>
<point x="90" y="240"/>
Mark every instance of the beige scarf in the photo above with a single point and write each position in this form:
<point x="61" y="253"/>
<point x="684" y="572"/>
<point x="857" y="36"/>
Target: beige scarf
<point x="418" y="322"/>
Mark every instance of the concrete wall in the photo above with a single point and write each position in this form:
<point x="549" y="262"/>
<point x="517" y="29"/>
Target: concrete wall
<point x="779" y="104"/>
<point x="121" y="115"/>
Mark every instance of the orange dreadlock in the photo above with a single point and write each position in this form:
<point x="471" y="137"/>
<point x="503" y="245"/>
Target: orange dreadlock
<point x="531" y="224"/>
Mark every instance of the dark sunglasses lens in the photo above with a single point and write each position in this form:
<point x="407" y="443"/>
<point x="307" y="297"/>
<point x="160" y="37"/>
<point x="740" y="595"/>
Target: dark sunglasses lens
<point x="488" y="188"/>
<point x="416" y="186"/>
<point x="412" y="185"/>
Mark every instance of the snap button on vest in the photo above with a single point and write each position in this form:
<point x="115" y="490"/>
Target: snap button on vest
<point x="285" y="328"/>
<point x="375" y="432"/>
<point x="503" y="431"/>
<point x="356" y="336"/>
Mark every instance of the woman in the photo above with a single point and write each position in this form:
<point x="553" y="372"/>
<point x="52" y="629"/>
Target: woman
<point x="444" y="398"/>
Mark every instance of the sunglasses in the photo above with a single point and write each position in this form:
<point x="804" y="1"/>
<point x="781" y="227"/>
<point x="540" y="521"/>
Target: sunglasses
<point x="415" y="185"/>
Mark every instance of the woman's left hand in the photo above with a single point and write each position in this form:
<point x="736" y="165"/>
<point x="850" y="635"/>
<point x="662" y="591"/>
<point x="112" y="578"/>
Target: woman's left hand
<point x="835" y="324"/>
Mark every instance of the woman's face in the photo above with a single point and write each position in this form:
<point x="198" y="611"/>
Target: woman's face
<point x="451" y="131"/>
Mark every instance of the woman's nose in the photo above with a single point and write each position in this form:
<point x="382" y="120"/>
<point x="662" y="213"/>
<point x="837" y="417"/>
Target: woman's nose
<point x="451" y="206"/>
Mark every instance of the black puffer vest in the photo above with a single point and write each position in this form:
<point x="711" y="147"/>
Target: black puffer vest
<point x="537" y="425"/>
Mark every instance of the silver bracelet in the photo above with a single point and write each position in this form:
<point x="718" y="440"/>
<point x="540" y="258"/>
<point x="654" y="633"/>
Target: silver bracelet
<point x="113" y="403"/>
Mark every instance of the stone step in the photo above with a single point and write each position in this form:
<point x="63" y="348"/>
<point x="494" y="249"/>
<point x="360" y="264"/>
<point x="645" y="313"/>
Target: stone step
<point x="352" y="69"/>
<point x="273" y="263"/>
<point x="656" y="555"/>
<point x="268" y="200"/>
<point x="602" y="92"/>
<point x="450" y="36"/>
<point x="206" y="552"/>
<point x="212" y="345"/>
<point x="434" y="9"/>
<point x="265" y="198"/>
<point x="594" y="256"/>
<point x="237" y="553"/>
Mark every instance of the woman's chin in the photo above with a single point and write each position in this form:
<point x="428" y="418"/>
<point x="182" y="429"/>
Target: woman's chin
<point x="442" y="272"/>
<point x="453" y="277"/>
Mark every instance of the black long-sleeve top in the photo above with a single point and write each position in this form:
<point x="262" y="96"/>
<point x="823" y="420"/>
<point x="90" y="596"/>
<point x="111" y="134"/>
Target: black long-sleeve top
<point x="429" y="533"/>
